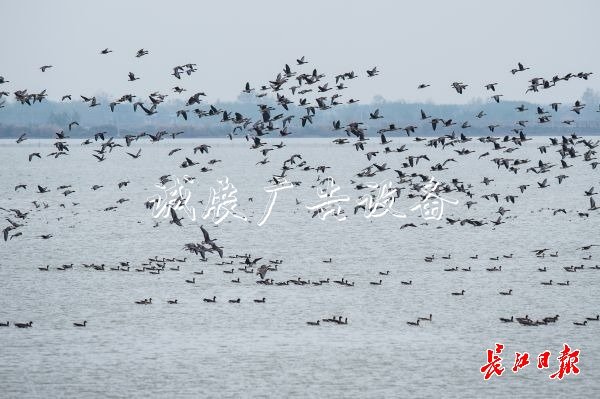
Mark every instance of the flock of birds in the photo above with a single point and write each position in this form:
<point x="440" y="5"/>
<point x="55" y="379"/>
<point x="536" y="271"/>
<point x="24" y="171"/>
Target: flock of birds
<point x="313" y="93"/>
<point x="253" y="266"/>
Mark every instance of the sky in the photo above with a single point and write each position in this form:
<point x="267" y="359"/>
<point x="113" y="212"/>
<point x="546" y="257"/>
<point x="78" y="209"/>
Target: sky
<point x="232" y="42"/>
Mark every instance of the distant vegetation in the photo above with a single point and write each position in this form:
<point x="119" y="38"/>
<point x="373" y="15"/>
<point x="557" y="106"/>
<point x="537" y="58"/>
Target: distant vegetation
<point x="42" y="120"/>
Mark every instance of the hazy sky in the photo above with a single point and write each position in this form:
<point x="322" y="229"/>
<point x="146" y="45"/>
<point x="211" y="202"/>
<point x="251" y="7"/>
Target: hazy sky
<point x="412" y="42"/>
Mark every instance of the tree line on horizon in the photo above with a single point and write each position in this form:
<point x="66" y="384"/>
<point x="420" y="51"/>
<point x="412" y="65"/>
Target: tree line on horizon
<point x="43" y="120"/>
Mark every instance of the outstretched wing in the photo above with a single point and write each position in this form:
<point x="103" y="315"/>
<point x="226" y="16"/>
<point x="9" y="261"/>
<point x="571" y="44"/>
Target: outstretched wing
<point x="175" y="218"/>
<point x="205" y="234"/>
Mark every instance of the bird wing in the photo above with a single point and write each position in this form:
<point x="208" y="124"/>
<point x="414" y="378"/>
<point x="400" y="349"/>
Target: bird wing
<point x="174" y="217"/>
<point x="205" y="234"/>
<point x="218" y="249"/>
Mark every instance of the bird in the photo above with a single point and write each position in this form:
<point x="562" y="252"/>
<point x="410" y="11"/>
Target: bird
<point x="375" y="114"/>
<point x="372" y="72"/>
<point x="80" y="324"/>
<point x="174" y="218"/>
<point x="211" y="242"/>
<point x="136" y="155"/>
<point x="34" y="154"/>
<point x="491" y="86"/>
<point x="520" y="68"/>
<point x="262" y="271"/>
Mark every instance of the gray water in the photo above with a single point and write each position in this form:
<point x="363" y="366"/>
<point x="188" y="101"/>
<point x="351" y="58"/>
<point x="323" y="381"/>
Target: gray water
<point x="198" y="349"/>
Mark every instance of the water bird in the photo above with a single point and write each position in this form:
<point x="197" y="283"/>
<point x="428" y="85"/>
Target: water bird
<point x="425" y="318"/>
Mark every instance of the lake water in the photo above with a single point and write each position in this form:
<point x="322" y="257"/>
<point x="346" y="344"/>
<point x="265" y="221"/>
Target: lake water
<point x="198" y="349"/>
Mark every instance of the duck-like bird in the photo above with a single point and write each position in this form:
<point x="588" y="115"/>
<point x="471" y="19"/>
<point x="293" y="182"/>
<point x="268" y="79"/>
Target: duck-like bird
<point x="211" y="242"/>
<point x="175" y="219"/>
